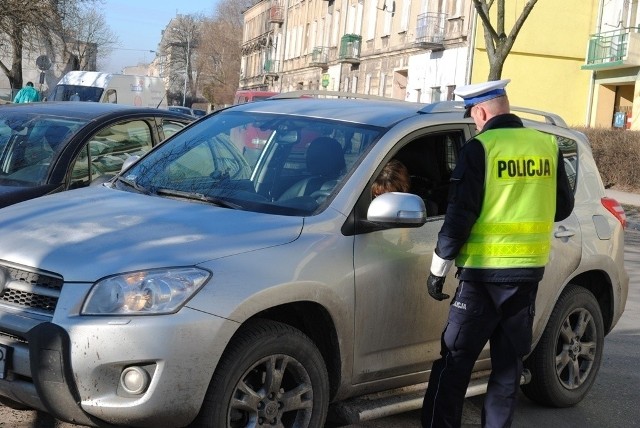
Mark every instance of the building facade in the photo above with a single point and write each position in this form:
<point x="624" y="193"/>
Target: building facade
<point x="420" y="50"/>
<point x="405" y="49"/>
<point x="613" y="63"/>
<point x="545" y="62"/>
<point x="44" y="63"/>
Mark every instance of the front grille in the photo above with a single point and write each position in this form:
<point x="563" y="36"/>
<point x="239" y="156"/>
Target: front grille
<point x="28" y="289"/>
<point x="30" y="300"/>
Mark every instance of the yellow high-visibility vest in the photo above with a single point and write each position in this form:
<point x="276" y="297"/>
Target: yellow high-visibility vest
<point x="516" y="220"/>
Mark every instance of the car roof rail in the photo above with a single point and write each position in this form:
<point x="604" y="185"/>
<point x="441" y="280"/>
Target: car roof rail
<point x="550" y="118"/>
<point x="307" y="93"/>
<point x="458" y="107"/>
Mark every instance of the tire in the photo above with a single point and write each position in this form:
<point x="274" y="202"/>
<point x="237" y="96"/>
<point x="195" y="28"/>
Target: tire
<point x="271" y="375"/>
<point x="566" y="360"/>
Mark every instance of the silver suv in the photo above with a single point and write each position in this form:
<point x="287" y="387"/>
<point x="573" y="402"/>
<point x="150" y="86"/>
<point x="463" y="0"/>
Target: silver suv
<point x="240" y="274"/>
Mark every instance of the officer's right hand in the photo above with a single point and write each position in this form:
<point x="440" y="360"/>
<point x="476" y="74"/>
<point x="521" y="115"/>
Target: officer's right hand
<point x="434" y="286"/>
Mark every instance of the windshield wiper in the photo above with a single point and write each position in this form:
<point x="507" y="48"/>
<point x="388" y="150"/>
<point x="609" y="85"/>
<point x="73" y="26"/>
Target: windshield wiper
<point x="133" y="184"/>
<point x="198" y="197"/>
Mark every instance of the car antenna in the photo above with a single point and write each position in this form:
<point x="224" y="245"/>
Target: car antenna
<point x="161" y="99"/>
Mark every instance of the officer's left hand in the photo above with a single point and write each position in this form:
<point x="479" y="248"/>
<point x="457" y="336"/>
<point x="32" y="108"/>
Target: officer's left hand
<point x="434" y="286"/>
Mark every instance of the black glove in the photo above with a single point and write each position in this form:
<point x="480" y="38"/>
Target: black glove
<point x="434" y="286"/>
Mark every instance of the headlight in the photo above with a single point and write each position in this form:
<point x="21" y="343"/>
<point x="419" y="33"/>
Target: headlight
<point x="158" y="291"/>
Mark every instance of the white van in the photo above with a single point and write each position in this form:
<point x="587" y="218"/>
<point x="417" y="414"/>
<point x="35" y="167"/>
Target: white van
<point x="145" y="91"/>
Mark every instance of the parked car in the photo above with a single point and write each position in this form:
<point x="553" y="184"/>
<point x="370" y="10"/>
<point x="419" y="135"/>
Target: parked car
<point x="248" y="96"/>
<point x="196" y="289"/>
<point x="180" y="109"/>
<point x="54" y="146"/>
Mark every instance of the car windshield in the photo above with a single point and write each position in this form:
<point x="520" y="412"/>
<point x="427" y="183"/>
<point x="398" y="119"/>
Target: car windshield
<point x="76" y="93"/>
<point x="259" y="162"/>
<point x="28" y="144"/>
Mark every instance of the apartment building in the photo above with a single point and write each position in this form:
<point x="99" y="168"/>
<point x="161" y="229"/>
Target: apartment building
<point x="419" y="50"/>
<point x="406" y="49"/>
<point x="613" y="64"/>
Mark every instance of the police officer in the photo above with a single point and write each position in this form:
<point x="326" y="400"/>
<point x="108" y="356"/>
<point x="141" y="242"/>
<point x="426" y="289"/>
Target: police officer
<point x="508" y="188"/>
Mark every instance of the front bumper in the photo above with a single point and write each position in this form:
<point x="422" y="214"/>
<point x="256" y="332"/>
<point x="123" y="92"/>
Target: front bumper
<point x="73" y="371"/>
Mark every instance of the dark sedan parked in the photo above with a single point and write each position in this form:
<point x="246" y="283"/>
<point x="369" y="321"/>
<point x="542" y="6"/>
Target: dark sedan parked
<point x="50" y="147"/>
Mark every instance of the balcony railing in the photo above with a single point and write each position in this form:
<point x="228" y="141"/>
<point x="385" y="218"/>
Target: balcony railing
<point x="430" y="30"/>
<point x="614" y="49"/>
<point x="350" y="48"/>
<point x="319" y="56"/>
<point x="271" y="67"/>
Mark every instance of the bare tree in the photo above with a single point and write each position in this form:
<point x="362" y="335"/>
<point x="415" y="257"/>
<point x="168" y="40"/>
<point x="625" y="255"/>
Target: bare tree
<point x="497" y="42"/>
<point x="88" y="37"/>
<point x="22" y="22"/>
<point x="31" y="25"/>
<point x="179" y="45"/>
<point x="220" y="50"/>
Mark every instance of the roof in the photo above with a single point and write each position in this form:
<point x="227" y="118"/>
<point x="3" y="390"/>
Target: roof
<point x="84" y="110"/>
<point x="365" y="111"/>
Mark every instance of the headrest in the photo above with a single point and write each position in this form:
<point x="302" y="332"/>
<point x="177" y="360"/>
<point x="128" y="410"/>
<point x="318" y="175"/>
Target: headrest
<point x="325" y="157"/>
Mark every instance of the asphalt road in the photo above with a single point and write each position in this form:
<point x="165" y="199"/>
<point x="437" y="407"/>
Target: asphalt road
<point x="612" y="402"/>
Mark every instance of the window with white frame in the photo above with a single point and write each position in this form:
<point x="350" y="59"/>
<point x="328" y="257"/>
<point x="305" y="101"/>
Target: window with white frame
<point x="406" y="15"/>
<point x="336" y="28"/>
<point x="388" y="15"/>
<point x="359" y="12"/>
<point x="382" y="88"/>
<point x="351" y="20"/>
<point x="436" y="93"/>
<point x="372" y="6"/>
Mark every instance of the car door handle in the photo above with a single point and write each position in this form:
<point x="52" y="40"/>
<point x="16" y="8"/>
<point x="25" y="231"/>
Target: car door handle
<point x="564" y="233"/>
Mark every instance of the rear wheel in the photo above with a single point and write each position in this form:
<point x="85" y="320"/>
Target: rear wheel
<point x="566" y="360"/>
<point x="272" y="375"/>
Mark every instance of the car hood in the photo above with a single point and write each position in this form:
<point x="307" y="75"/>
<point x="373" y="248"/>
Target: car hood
<point x="86" y="234"/>
<point x="12" y="194"/>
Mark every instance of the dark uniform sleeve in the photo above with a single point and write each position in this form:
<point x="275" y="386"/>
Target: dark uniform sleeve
<point x="466" y="193"/>
<point x="564" y="193"/>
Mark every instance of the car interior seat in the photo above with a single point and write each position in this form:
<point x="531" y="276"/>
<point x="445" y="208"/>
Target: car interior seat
<point x="325" y="162"/>
<point x="55" y="134"/>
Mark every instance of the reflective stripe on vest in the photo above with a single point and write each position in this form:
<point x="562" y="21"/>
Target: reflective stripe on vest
<point x="514" y="226"/>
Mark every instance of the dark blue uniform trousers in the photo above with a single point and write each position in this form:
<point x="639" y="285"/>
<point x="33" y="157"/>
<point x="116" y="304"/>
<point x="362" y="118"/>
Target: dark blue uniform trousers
<point x="501" y="313"/>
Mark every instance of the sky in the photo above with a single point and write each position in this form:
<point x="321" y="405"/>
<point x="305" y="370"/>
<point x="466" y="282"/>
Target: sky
<point x="138" y="25"/>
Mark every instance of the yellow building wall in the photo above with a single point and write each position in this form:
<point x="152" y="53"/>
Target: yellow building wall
<point x="544" y="63"/>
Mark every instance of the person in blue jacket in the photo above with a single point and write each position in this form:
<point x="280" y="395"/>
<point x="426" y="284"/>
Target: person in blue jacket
<point x="507" y="189"/>
<point x="28" y="94"/>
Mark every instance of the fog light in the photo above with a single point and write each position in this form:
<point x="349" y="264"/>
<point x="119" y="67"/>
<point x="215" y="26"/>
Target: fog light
<point x="134" y="380"/>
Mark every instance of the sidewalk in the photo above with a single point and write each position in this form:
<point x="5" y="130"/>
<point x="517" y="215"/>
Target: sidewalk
<point x="623" y="197"/>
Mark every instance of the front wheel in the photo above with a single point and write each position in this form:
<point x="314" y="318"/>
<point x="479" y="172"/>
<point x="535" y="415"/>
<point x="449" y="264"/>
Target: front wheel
<point x="271" y="375"/>
<point x="566" y="360"/>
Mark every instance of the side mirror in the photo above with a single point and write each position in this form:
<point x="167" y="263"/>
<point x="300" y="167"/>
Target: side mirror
<point x="397" y="209"/>
<point x="129" y="161"/>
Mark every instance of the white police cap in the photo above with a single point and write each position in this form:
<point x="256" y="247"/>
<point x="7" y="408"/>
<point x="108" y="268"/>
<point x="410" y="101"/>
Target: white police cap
<point x="480" y="92"/>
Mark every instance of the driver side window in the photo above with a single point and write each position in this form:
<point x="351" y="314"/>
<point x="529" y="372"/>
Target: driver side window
<point x="430" y="159"/>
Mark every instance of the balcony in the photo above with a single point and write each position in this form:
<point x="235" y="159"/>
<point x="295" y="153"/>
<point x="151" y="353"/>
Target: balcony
<point x="430" y="30"/>
<point x="614" y="49"/>
<point x="276" y="12"/>
<point x="350" y="48"/>
<point x="319" y="56"/>
<point x="271" y="67"/>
